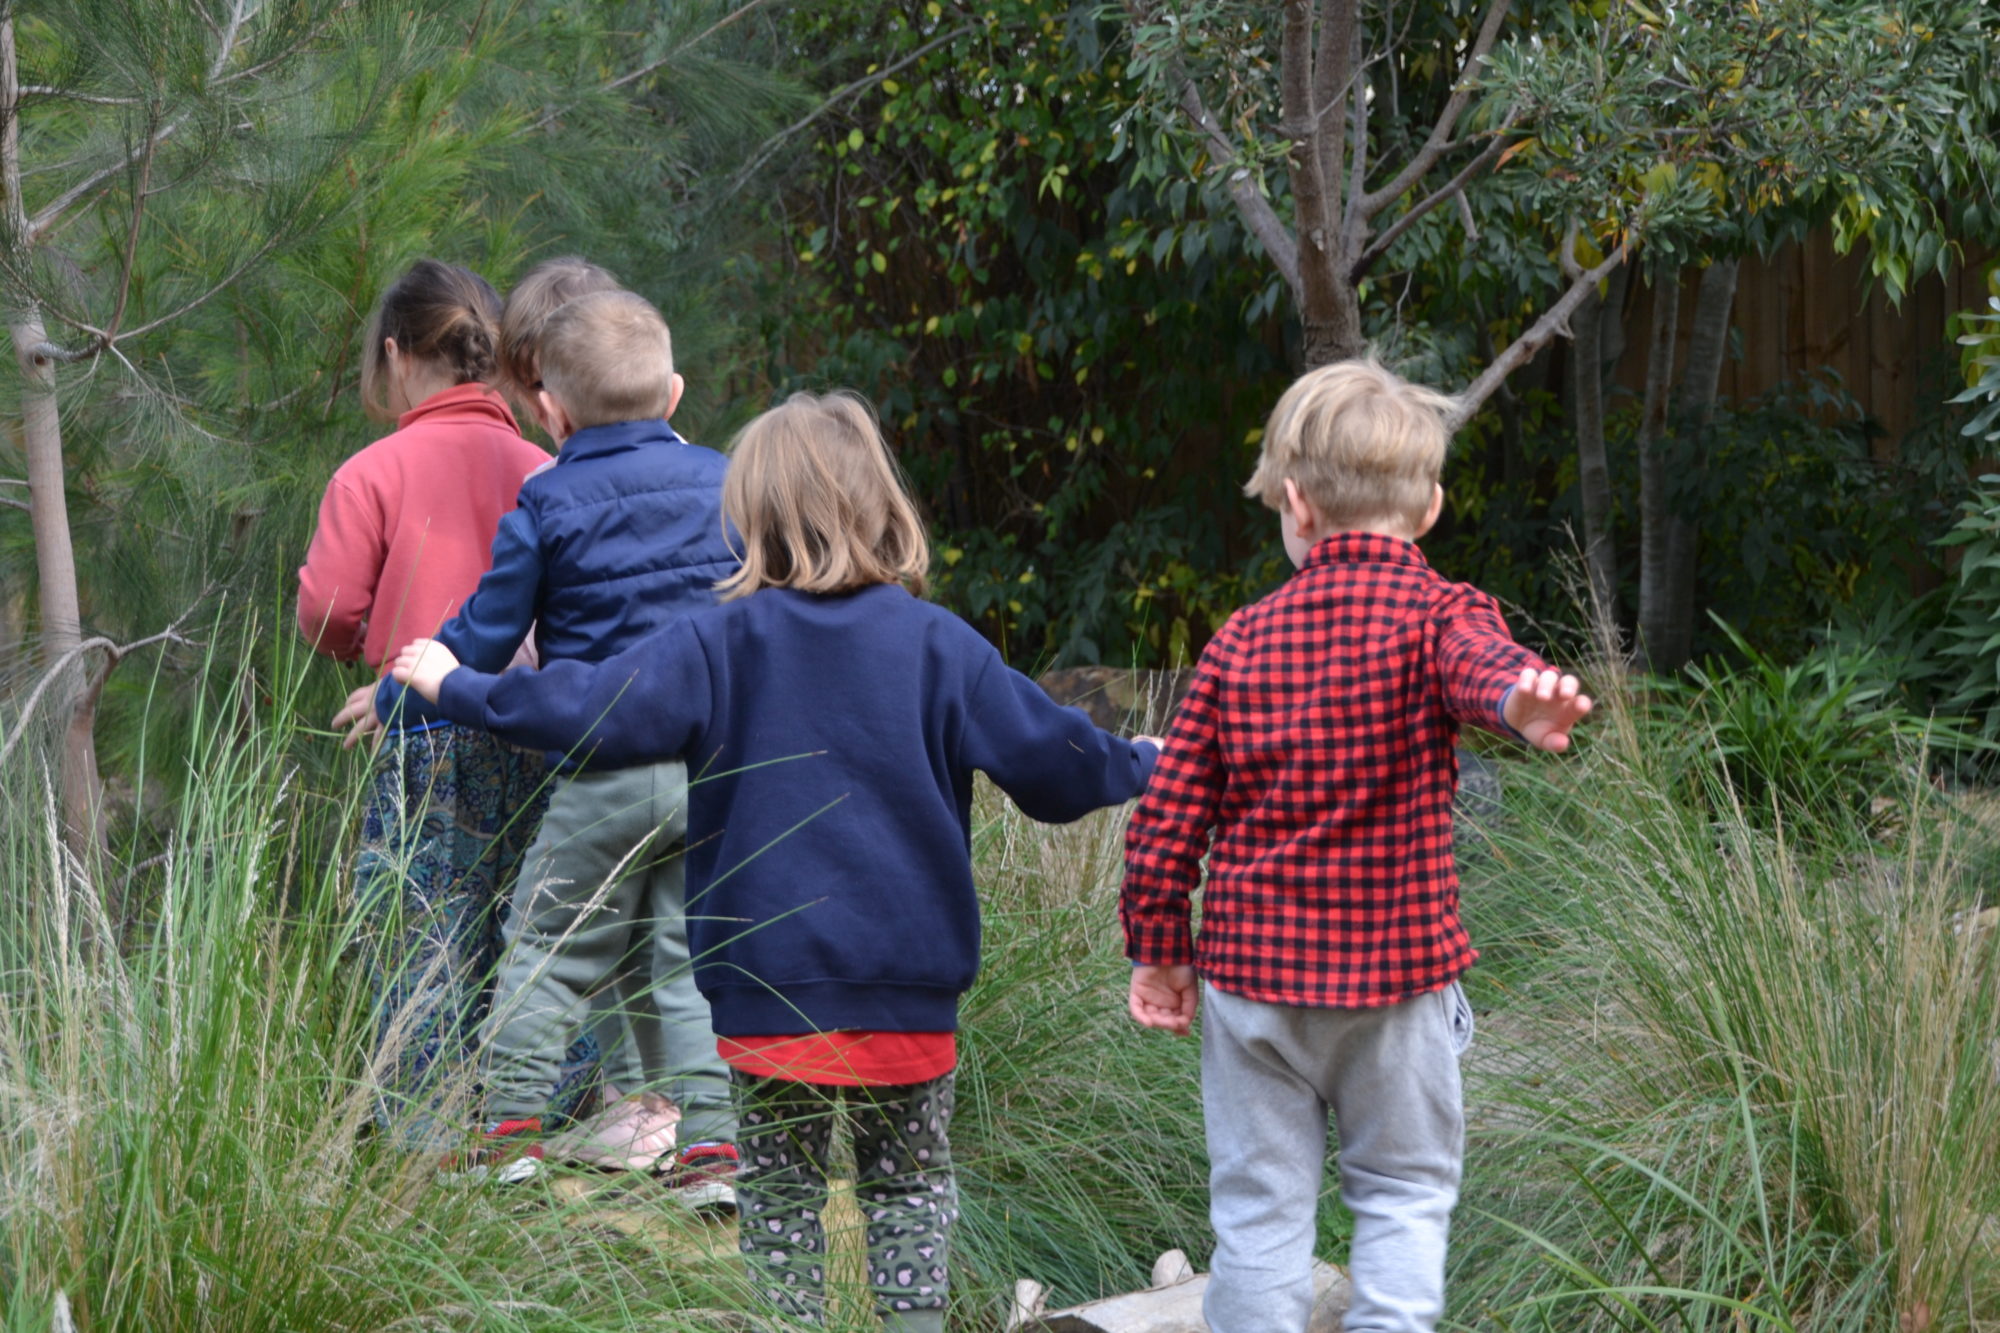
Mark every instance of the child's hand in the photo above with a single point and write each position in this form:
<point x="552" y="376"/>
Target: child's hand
<point x="422" y="665"/>
<point x="1544" y="707"/>
<point x="1165" y="998"/>
<point x="358" y="715"/>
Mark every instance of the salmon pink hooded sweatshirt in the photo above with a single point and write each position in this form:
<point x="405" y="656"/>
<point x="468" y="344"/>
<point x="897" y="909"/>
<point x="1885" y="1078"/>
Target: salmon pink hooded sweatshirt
<point x="406" y="526"/>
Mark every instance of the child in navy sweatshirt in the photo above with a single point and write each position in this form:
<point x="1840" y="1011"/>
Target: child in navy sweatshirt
<point x="831" y="721"/>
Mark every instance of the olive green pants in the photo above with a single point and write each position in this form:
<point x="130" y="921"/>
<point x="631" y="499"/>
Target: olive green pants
<point x="600" y="907"/>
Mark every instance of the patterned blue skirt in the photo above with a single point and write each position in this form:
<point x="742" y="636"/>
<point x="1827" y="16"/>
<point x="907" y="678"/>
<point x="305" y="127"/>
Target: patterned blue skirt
<point x="450" y="813"/>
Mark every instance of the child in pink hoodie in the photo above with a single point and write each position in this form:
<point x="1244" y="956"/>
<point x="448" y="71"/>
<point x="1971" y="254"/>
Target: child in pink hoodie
<point x="405" y="531"/>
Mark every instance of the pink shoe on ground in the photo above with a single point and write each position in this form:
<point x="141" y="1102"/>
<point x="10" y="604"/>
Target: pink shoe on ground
<point x="626" y="1134"/>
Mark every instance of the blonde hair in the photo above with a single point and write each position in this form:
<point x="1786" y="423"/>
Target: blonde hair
<point x="439" y="314"/>
<point x="545" y="288"/>
<point x="820" y="502"/>
<point x="1359" y="441"/>
<point x="608" y="357"/>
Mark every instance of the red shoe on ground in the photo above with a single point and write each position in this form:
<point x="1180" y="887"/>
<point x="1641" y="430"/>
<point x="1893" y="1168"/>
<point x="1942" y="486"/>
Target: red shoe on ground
<point x="508" y="1151"/>
<point x="703" y="1177"/>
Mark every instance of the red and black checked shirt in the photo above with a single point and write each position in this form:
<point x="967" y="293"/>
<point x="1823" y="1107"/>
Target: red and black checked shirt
<point x="1313" y="765"/>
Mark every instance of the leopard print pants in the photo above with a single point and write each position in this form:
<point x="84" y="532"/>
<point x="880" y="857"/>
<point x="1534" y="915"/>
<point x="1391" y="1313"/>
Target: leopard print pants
<point x="903" y="1184"/>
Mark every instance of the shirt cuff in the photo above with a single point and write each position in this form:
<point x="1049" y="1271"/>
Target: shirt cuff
<point x="462" y="696"/>
<point x="1148" y="755"/>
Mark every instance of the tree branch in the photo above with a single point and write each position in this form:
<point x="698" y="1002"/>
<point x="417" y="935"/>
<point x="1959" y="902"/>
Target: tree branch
<point x="114" y="653"/>
<point x="1455" y="186"/>
<point x="68" y="355"/>
<point x="1554" y="322"/>
<point x="239" y="10"/>
<point x="1251" y="202"/>
<point x="279" y="57"/>
<point x="111" y="340"/>
<point x="551" y="117"/>
<point x="130" y="259"/>
<point x="69" y="95"/>
<point x="770" y="146"/>
<point x="1440" y="140"/>
<point x="49" y="216"/>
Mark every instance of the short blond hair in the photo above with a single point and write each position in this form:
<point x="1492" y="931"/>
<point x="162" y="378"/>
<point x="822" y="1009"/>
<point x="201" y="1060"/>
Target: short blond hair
<point x="820" y="503"/>
<point x="608" y="357"/>
<point x="1360" y="442"/>
<point x="542" y="290"/>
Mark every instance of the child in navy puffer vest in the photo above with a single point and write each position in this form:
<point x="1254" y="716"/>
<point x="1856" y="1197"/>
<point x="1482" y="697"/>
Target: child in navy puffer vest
<point x="621" y="536"/>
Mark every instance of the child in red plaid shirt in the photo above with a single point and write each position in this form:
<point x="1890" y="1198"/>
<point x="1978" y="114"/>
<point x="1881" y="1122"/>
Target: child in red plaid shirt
<point x="1313" y="766"/>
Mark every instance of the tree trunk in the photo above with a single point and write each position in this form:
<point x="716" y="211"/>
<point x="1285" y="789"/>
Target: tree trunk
<point x="1593" y="469"/>
<point x="55" y="561"/>
<point x="48" y="501"/>
<point x="1708" y="341"/>
<point x="1655" y="509"/>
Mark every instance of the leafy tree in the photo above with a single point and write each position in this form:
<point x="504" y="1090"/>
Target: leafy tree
<point x="1355" y="138"/>
<point x="1071" y="356"/>
<point x="1705" y="131"/>
<point x="203" y="200"/>
<point x="1336" y="127"/>
<point x="153" y="159"/>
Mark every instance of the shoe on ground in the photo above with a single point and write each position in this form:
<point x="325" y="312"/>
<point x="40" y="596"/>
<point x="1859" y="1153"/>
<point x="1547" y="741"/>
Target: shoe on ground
<point x="508" y="1151"/>
<point x="626" y="1134"/>
<point x="703" y="1177"/>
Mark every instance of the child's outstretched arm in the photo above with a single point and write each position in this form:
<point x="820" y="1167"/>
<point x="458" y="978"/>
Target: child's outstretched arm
<point x="493" y="621"/>
<point x="645" y="704"/>
<point x="1544" y="707"/>
<point x="1054" y="762"/>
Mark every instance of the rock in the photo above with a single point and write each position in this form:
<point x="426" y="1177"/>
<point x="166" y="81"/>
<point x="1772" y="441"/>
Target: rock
<point x="1119" y="699"/>
<point x="1168" y="1307"/>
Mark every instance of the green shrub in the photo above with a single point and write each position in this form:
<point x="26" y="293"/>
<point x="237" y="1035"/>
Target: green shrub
<point x="1743" y="1072"/>
<point x="1831" y="730"/>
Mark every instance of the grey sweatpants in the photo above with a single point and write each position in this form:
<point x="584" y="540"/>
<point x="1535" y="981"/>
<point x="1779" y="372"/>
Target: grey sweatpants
<point x="599" y="904"/>
<point x="1269" y="1075"/>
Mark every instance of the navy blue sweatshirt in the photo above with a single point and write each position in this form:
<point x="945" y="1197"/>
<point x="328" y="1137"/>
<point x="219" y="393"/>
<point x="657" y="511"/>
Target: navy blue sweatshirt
<point x="831" y="743"/>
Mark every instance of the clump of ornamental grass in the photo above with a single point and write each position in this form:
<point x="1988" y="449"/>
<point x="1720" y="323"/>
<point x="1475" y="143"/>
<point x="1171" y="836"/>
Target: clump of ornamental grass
<point x="1743" y="1069"/>
<point x="184" y="1095"/>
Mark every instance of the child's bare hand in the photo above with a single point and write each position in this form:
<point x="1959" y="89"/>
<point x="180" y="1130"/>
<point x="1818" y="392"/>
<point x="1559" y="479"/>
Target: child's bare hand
<point x="422" y="665"/>
<point x="1165" y="998"/>
<point x="358" y="715"/>
<point x="1544" y="707"/>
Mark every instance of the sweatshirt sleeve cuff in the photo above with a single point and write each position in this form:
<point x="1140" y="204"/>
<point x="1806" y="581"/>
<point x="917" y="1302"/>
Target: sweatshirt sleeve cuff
<point x="462" y="697"/>
<point x="1147" y="755"/>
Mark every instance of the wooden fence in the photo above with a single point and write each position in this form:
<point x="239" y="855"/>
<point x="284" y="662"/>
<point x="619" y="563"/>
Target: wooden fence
<point x="1807" y="308"/>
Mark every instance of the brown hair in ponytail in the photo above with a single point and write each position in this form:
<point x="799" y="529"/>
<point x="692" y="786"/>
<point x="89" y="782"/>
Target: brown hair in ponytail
<point x="438" y="313"/>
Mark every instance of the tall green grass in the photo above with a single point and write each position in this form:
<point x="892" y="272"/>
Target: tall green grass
<point x="1733" y="1072"/>
<point x="184" y="1114"/>
<point x="1745" y="1068"/>
<point x="182" y="1117"/>
<point x="1078" y="1135"/>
